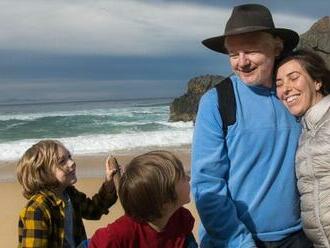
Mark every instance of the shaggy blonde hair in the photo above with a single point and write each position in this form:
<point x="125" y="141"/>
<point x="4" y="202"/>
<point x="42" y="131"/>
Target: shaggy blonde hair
<point x="35" y="169"/>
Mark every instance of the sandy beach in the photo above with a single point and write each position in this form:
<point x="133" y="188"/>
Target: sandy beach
<point x="90" y="170"/>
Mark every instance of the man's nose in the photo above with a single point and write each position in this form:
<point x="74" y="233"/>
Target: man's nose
<point x="242" y="60"/>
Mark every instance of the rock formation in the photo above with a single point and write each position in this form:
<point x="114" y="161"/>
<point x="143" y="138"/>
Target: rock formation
<point x="318" y="38"/>
<point x="184" y="108"/>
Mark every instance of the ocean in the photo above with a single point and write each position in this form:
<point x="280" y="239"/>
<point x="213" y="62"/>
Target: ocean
<point x="89" y="127"/>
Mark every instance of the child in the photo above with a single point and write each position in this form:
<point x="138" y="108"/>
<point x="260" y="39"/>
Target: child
<point x="152" y="190"/>
<point x="55" y="208"/>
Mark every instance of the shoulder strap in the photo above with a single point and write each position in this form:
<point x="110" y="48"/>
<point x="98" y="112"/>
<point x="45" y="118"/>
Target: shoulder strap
<point x="227" y="103"/>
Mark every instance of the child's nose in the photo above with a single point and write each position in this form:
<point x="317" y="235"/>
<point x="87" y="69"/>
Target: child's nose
<point x="71" y="163"/>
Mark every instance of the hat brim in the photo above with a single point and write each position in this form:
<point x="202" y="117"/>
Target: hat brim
<point x="289" y="37"/>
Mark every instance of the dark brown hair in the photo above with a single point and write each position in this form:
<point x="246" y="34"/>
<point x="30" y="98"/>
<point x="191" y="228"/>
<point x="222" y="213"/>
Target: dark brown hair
<point x="313" y="64"/>
<point x="148" y="183"/>
<point x="35" y="169"/>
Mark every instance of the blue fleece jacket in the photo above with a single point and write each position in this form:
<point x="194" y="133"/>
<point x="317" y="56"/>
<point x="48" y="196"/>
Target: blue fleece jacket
<point x="245" y="187"/>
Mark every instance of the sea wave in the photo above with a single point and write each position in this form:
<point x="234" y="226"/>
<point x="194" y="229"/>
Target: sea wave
<point x="127" y="112"/>
<point x="90" y="144"/>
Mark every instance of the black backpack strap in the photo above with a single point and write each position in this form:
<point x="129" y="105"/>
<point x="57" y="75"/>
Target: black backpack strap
<point x="227" y="103"/>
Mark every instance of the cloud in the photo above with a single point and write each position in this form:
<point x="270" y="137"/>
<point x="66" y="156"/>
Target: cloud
<point x="84" y="90"/>
<point x="298" y="23"/>
<point x="117" y="28"/>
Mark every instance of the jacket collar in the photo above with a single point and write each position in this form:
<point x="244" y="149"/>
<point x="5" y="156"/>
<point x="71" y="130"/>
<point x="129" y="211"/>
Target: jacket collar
<point x="54" y="200"/>
<point x="313" y="116"/>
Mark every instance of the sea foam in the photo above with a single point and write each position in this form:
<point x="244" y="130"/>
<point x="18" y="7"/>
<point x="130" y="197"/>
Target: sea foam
<point x="91" y="127"/>
<point x="108" y="143"/>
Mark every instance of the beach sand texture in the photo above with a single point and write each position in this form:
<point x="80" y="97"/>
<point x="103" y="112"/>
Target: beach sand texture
<point x="90" y="170"/>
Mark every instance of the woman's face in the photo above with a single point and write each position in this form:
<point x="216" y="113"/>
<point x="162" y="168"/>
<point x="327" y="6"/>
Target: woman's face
<point x="296" y="89"/>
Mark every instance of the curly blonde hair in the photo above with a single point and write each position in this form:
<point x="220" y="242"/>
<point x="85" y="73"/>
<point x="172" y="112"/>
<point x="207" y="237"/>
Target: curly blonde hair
<point x="35" y="169"/>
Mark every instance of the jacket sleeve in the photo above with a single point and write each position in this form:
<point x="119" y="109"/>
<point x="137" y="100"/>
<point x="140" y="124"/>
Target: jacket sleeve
<point x="210" y="167"/>
<point x="93" y="208"/>
<point x="33" y="227"/>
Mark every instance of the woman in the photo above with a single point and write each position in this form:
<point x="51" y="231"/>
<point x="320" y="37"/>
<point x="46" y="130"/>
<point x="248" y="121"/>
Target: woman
<point x="303" y="85"/>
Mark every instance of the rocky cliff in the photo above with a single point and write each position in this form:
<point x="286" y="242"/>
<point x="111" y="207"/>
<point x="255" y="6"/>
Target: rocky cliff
<point x="184" y="108"/>
<point x="318" y="38"/>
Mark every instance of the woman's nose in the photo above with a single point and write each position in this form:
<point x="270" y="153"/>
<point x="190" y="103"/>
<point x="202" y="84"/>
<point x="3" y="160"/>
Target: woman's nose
<point x="287" y="87"/>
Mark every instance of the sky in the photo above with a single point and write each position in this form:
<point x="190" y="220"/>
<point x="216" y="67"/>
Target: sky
<point x="112" y="49"/>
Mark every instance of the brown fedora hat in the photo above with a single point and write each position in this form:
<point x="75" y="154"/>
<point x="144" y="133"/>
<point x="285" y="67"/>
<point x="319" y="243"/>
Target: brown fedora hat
<point x="249" y="18"/>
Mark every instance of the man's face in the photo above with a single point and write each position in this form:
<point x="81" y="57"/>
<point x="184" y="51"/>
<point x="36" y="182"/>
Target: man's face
<point x="252" y="56"/>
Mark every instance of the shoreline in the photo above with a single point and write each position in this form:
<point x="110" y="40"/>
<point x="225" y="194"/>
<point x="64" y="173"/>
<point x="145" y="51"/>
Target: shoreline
<point x="90" y="165"/>
<point x="90" y="173"/>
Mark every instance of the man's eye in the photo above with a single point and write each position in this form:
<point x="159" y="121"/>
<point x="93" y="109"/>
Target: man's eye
<point x="252" y="52"/>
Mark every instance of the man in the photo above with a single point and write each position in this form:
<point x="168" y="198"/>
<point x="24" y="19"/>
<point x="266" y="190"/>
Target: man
<point x="244" y="181"/>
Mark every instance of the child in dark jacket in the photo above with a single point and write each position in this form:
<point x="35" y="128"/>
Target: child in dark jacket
<point x="152" y="191"/>
<point x="55" y="208"/>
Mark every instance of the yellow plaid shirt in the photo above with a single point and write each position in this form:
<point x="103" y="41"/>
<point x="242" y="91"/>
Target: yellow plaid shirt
<point x="41" y="221"/>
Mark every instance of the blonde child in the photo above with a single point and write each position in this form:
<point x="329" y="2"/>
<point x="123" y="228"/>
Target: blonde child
<point x="152" y="191"/>
<point x="55" y="208"/>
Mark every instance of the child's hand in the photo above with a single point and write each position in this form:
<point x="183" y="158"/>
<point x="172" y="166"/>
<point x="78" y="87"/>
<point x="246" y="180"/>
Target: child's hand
<point x="112" y="170"/>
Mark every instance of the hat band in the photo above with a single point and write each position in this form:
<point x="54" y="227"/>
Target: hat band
<point x="243" y="30"/>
